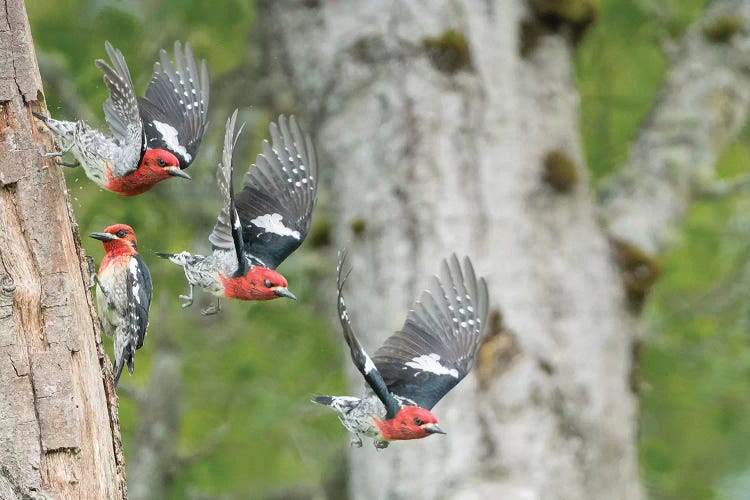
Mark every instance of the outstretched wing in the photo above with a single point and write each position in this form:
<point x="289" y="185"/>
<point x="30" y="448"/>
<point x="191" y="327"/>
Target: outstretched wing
<point x="361" y="360"/>
<point x="436" y="347"/>
<point x="122" y="113"/>
<point x="227" y="233"/>
<point x="175" y="108"/>
<point x="275" y="205"/>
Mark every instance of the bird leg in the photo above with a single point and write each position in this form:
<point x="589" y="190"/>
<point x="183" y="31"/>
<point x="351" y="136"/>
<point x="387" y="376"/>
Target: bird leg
<point x="356" y="441"/>
<point x="187" y="298"/>
<point x="95" y="281"/>
<point x="57" y="154"/>
<point x="212" y="309"/>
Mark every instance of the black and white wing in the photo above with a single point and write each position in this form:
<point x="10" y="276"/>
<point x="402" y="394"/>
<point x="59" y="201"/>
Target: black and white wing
<point x="361" y="359"/>
<point x="436" y="347"/>
<point x="122" y="113"/>
<point x="175" y="108"/>
<point x="139" y="288"/>
<point x="276" y="203"/>
<point x="227" y="233"/>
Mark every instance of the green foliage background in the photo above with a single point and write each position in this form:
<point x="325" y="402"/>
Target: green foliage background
<point x="251" y="368"/>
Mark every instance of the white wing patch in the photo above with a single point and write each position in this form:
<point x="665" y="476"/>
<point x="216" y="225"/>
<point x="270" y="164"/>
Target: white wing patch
<point x="431" y="363"/>
<point x="369" y="365"/>
<point x="169" y="134"/>
<point x="272" y="223"/>
<point x="133" y="267"/>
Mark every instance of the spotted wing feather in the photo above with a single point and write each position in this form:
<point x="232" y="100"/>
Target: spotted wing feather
<point x="437" y="345"/>
<point x="227" y="233"/>
<point x="360" y="358"/>
<point x="122" y="113"/>
<point x="276" y="203"/>
<point x="138" y="288"/>
<point x="175" y="108"/>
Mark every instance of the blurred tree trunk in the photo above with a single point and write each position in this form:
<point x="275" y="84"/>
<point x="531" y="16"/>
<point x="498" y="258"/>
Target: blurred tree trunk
<point x="155" y="460"/>
<point x="59" y="430"/>
<point x="452" y="126"/>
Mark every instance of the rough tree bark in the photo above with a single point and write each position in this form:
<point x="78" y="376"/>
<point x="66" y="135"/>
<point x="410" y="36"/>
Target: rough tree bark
<point x="59" y="430"/>
<point x="452" y="126"/>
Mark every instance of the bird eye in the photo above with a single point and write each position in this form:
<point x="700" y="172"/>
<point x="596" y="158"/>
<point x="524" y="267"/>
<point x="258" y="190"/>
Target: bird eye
<point x="267" y="283"/>
<point x="121" y="233"/>
<point x="418" y="421"/>
<point x="162" y="162"/>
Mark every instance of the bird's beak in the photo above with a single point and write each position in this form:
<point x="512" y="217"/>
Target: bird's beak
<point x="177" y="172"/>
<point x="433" y="429"/>
<point x="284" y="292"/>
<point x="103" y="236"/>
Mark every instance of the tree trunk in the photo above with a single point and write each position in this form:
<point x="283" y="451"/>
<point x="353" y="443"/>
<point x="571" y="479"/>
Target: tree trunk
<point x="452" y="126"/>
<point x="155" y="461"/>
<point x="59" y="432"/>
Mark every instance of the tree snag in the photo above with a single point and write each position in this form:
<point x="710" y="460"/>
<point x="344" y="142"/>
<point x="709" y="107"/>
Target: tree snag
<point x="59" y="430"/>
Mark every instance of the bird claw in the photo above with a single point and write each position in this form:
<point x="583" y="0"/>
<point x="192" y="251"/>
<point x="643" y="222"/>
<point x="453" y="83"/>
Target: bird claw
<point x="71" y="164"/>
<point x="356" y="442"/>
<point x="380" y="444"/>
<point x="188" y="301"/>
<point x="58" y="154"/>
<point x="211" y="310"/>
<point x="93" y="279"/>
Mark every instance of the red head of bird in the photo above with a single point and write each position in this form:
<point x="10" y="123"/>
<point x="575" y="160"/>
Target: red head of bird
<point x="411" y="422"/>
<point x="259" y="283"/>
<point x="156" y="165"/>
<point x="118" y="240"/>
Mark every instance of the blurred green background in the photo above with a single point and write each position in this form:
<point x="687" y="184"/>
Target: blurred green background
<point x="245" y="427"/>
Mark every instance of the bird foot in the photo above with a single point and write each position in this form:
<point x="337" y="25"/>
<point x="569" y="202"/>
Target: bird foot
<point x="188" y="300"/>
<point x="211" y="310"/>
<point x="71" y="164"/>
<point x="356" y="442"/>
<point x="380" y="444"/>
<point x="62" y="152"/>
<point x="93" y="279"/>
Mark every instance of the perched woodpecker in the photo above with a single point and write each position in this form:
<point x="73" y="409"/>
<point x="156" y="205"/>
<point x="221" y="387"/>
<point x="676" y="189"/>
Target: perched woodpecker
<point x="262" y="224"/>
<point x="153" y="137"/>
<point x="418" y="365"/>
<point x="123" y="294"/>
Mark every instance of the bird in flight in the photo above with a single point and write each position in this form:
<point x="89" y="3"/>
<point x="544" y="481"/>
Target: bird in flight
<point x="418" y="365"/>
<point x="259" y="226"/>
<point x="154" y="137"/>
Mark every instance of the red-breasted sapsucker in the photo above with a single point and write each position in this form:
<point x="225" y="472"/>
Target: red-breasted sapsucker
<point x="153" y="137"/>
<point x="123" y="294"/>
<point x="418" y="365"/>
<point x="261" y="225"/>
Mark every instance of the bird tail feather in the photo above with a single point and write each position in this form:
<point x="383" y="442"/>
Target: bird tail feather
<point x="181" y="259"/>
<point x="126" y="357"/>
<point x="322" y="400"/>
<point x="119" y="365"/>
<point x="63" y="130"/>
